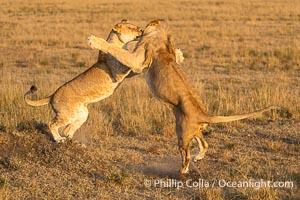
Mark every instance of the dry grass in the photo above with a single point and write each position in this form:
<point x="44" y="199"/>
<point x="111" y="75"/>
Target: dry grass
<point x="240" y="56"/>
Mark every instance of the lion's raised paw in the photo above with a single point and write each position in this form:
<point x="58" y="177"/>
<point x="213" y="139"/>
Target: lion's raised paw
<point x="95" y="42"/>
<point x="91" y="41"/>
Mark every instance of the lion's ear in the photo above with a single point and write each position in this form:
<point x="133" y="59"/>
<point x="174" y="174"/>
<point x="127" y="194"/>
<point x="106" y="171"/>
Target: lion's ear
<point x="117" y="28"/>
<point x="154" y="23"/>
<point x="124" y="21"/>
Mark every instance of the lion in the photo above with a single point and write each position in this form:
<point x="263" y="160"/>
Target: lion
<point x="154" y="55"/>
<point x="70" y="101"/>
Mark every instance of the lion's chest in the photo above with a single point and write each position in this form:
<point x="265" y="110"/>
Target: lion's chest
<point x="160" y="85"/>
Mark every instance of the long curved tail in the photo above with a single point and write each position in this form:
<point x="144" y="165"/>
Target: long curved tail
<point x="40" y="102"/>
<point x="219" y="119"/>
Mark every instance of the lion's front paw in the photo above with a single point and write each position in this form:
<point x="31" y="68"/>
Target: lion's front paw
<point x="95" y="42"/>
<point x="91" y="41"/>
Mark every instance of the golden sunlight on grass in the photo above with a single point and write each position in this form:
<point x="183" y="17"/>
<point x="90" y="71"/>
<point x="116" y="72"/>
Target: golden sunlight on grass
<point x="239" y="55"/>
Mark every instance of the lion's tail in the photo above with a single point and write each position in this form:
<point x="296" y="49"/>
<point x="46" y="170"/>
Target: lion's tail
<point x="220" y="119"/>
<point x="40" y="102"/>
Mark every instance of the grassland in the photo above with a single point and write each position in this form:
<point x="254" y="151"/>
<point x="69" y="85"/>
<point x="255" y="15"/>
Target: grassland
<point x="240" y="56"/>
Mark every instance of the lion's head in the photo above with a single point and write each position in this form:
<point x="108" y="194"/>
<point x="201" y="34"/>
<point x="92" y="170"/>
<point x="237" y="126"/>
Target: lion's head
<point x="127" y="32"/>
<point x="156" y="25"/>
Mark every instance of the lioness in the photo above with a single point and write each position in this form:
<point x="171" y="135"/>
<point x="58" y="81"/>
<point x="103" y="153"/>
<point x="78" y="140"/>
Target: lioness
<point x="155" y="55"/>
<point x="70" y="101"/>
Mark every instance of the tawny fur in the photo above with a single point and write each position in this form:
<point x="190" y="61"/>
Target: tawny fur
<point x="70" y="101"/>
<point x="155" y="56"/>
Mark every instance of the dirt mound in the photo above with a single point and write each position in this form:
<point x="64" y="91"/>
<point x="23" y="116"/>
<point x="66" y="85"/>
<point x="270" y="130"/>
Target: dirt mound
<point x="31" y="162"/>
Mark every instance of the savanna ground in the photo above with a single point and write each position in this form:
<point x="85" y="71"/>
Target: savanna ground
<point x="240" y="56"/>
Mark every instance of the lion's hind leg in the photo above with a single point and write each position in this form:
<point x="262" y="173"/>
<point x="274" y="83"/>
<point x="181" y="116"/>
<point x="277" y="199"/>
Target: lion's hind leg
<point x="184" y="148"/>
<point x="55" y="125"/>
<point x="80" y="118"/>
<point x="185" y="134"/>
<point x="202" y="144"/>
